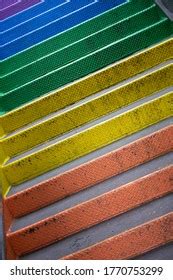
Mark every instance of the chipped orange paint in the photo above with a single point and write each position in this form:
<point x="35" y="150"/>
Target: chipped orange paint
<point x="131" y="243"/>
<point x="89" y="174"/>
<point x="91" y="212"/>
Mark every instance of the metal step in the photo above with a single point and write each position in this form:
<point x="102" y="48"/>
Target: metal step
<point x="114" y="74"/>
<point x="92" y="62"/>
<point x="86" y="168"/>
<point x="53" y="23"/>
<point x="20" y="18"/>
<point x="52" y="45"/>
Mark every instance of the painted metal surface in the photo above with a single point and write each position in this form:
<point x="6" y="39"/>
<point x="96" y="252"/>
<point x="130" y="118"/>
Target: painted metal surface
<point x="80" y="115"/>
<point x="88" y="167"/>
<point x="131" y="243"/>
<point x="58" y="13"/>
<point x="91" y="212"/>
<point x="86" y="65"/>
<point x="5" y="4"/>
<point x="17" y="7"/>
<point x="74" y="41"/>
<point x="90" y="173"/>
<point x="141" y="151"/>
<point x="49" y="46"/>
<point x="85" y="142"/>
<point x="19" y="19"/>
<point x="76" y="12"/>
<point x="107" y="77"/>
<point x="75" y="34"/>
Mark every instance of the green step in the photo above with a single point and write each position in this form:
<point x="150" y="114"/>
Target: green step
<point x="73" y="52"/>
<point x="71" y="36"/>
<point x="153" y="31"/>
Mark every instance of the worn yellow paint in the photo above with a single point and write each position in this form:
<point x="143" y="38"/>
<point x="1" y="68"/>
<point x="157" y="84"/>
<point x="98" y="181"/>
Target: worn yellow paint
<point x="3" y="156"/>
<point x="2" y="132"/>
<point x="4" y="184"/>
<point x="107" y="103"/>
<point x="85" y="87"/>
<point x="87" y="141"/>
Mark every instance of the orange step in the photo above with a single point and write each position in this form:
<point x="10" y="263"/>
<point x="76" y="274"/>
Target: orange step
<point x="91" y="212"/>
<point x="131" y="243"/>
<point x="91" y="173"/>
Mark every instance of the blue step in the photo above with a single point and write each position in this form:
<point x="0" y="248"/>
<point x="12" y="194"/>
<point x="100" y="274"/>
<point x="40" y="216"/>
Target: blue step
<point x="71" y="15"/>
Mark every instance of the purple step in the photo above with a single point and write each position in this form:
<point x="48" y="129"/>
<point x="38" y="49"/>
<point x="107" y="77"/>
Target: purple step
<point x="11" y="7"/>
<point x="4" y="4"/>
